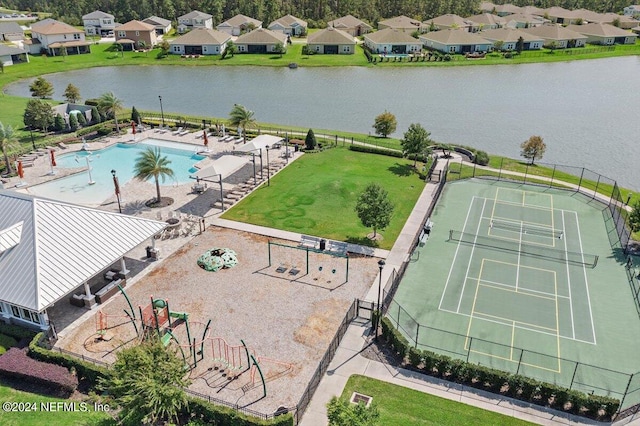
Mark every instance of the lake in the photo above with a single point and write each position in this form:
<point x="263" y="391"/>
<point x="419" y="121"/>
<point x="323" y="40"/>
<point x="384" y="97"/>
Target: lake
<point x="586" y="111"/>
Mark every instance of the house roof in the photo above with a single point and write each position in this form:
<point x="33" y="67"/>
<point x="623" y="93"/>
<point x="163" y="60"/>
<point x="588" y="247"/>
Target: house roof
<point x="10" y="27"/>
<point x="54" y="27"/>
<point x="487" y="19"/>
<point x="260" y="142"/>
<point x="509" y="35"/>
<point x="135" y="26"/>
<point x="508" y="8"/>
<point x="525" y="18"/>
<point x="610" y="17"/>
<point x="10" y="50"/>
<point x="601" y="30"/>
<point x="401" y="22"/>
<point x="554" y="32"/>
<point x="45" y="21"/>
<point x="560" y="12"/>
<point x="98" y="14"/>
<point x="224" y="166"/>
<point x="391" y="35"/>
<point x="71" y="43"/>
<point x="240" y="20"/>
<point x="201" y="36"/>
<point x="261" y="36"/>
<point x="287" y="21"/>
<point x="454" y="37"/>
<point x="449" y="20"/>
<point x="157" y="21"/>
<point x="348" y="21"/>
<point x="589" y="15"/>
<point x="196" y="14"/>
<point x="532" y="10"/>
<point x="486" y="5"/>
<point x="330" y="35"/>
<point x="59" y="246"/>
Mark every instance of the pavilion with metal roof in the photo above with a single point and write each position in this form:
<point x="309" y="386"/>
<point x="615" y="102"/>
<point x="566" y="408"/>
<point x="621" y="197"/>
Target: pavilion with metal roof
<point x="50" y="248"/>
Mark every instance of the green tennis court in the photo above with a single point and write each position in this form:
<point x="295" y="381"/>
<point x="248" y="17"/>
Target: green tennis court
<point x="523" y="279"/>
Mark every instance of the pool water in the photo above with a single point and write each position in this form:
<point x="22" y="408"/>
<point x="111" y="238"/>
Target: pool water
<point x="121" y="158"/>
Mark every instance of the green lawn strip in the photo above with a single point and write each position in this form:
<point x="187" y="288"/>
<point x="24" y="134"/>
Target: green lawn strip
<point x="400" y="406"/>
<point x="60" y="417"/>
<point x="317" y="195"/>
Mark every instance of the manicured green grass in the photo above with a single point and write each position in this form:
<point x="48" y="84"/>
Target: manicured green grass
<point x="317" y="194"/>
<point x="401" y="406"/>
<point x="40" y="417"/>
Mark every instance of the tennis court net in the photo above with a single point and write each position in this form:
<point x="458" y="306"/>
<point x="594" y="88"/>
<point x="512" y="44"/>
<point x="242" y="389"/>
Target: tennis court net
<point x="527" y="229"/>
<point x="543" y="252"/>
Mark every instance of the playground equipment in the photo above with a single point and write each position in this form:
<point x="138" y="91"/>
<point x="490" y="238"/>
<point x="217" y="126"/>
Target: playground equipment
<point x="316" y="265"/>
<point x="102" y="319"/>
<point x="218" y="258"/>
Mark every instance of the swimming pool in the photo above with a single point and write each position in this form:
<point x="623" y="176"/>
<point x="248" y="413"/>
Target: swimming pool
<point x="119" y="157"/>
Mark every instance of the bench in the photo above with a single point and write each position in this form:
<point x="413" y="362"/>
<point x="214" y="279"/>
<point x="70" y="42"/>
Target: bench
<point x="109" y="290"/>
<point x="311" y="242"/>
<point x="337" y="246"/>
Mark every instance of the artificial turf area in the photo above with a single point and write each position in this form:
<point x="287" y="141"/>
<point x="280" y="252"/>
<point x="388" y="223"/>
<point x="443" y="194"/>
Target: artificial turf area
<point x="400" y="406"/>
<point x="317" y="194"/>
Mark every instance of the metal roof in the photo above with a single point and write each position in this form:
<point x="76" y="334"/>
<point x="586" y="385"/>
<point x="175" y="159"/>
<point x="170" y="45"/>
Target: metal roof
<point x="61" y="246"/>
<point x="224" y="166"/>
<point x="260" y="142"/>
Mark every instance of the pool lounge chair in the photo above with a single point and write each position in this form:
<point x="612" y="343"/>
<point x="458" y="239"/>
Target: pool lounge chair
<point x="62" y="145"/>
<point x="178" y="130"/>
<point x="183" y="133"/>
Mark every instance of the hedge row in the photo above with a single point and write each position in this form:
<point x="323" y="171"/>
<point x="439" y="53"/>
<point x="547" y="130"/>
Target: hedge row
<point x="376" y="150"/>
<point x="16" y="331"/>
<point x="455" y="370"/>
<point x="6" y="342"/>
<point x="15" y="363"/>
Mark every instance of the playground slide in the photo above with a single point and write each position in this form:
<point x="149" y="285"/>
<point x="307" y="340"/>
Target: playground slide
<point x="180" y="315"/>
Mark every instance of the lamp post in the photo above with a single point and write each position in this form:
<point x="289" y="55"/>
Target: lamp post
<point x="116" y="187"/>
<point x="33" y="143"/>
<point x="161" y="110"/>
<point x="268" y="168"/>
<point x="381" y="264"/>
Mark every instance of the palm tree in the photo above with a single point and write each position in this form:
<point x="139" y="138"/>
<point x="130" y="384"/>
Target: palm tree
<point x="150" y="164"/>
<point x="243" y="118"/>
<point x="8" y="140"/>
<point x="110" y="105"/>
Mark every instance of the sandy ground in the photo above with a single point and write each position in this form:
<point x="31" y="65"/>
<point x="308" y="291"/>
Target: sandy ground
<point x="286" y="321"/>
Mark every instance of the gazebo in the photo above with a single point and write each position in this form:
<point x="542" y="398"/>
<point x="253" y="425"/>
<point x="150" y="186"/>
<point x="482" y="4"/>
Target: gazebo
<point x="50" y="248"/>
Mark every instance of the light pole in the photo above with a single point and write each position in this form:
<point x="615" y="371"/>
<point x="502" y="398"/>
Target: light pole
<point x="161" y="110"/>
<point x="268" y="168"/>
<point x="116" y="186"/>
<point x="379" y="312"/>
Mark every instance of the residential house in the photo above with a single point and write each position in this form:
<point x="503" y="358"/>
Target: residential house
<point x="532" y="10"/>
<point x="486" y="21"/>
<point x="636" y="30"/>
<point x="289" y="25"/>
<point x="446" y="22"/>
<point x="10" y="55"/>
<point x="510" y="37"/>
<point x="51" y="249"/>
<point x="194" y="19"/>
<point x="260" y="40"/>
<point x="507" y="9"/>
<point x="331" y="41"/>
<point x="45" y="21"/>
<point x="392" y="41"/>
<point x="604" y="34"/>
<point x="560" y="15"/>
<point x="99" y="23"/>
<point x="402" y="23"/>
<point x="239" y="24"/>
<point x="557" y="36"/>
<point x="584" y="16"/>
<point x="136" y="34"/>
<point x="11" y="31"/>
<point x="487" y="7"/>
<point x="455" y="41"/>
<point x="620" y="21"/>
<point x="351" y="25"/>
<point x="633" y="10"/>
<point x="54" y="36"/>
<point x="162" y="26"/>
<point x="520" y="20"/>
<point x="200" y="41"/>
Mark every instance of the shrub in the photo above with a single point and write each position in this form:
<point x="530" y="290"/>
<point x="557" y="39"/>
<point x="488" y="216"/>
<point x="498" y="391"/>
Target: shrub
<point x="447" y="57"/>
<point x="104" y="130"/>
<point x="92" y="102"/>
<point x="6" y="342"/>
<point x="376" y="150"/>
<point x="82" y="120"/>
<point x="415" y="357"/>
<point x="207" y="413"/>
<point x="58" y="123"/>
<point x="73" y="122"/>
<point x="481" y="158"/>
<point x="16" y="331"/>
<point x="15" y="363"/>
<point x="508" y="55"/>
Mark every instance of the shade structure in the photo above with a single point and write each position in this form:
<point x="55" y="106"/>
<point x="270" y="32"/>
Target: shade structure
<point x="53" y="158"/>
<point x="223" y="166"/>
<point x="20" y="170"/>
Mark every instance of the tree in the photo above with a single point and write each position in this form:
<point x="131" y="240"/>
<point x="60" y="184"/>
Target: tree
<point x="310" y="141"/>
<point x="41" y="88"/>
<point x="385" y="124"/>
<point x="8" y="141"/>
<point x="553" y="45"/>
<point x="73" y="122"/>
<point x="634" y="216"/>
<point x="38" y="114"/>
<point x="164" y="48"/>
<point x="72" y="94"/>
<point x="231" y="49"/>
<point x="341" y="412"/>
<point x="135" y="115"/>
<point x="498" y="45"/>
<point x="374" y="208"/>
<point x="148" y="382"/>
<point x="58" y="123"/>
<point x="520" y="45"/>
<point x="415" y="141"/>
<point x="242" y="118"/>
<point x="82" y="119"/>
<point x="533" y="148"/>
<point x="95" y="115"/>
<point x="109" y="106"/>
<point x="279" y="48"/>
<point x="150" y="164"/>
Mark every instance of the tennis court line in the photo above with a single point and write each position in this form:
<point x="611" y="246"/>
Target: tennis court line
<point x="516" y="290"/>
<point x="473" y="308"/>
<point x="586" y="282"/>
<point x="520" y="290"/>
<point x="525" y="205"/>
<point x="521" y="223"/>
<point x="573" y="327"/>
<point x="455" y="256"/>
<point x="540" y="194"/>
<point x="481" y="315"/>
<point x="519" y="252"/>
<point x="555" y="286"/>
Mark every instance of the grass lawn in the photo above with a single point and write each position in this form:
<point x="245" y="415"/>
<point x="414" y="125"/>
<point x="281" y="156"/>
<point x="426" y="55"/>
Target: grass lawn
<point x="317" y="194"/>
<point x="40" y="417"/>
<point x="401" y="406"/>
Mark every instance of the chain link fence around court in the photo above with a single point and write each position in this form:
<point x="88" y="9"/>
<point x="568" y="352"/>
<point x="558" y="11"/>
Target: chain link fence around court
<point x="590" y="184"/>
